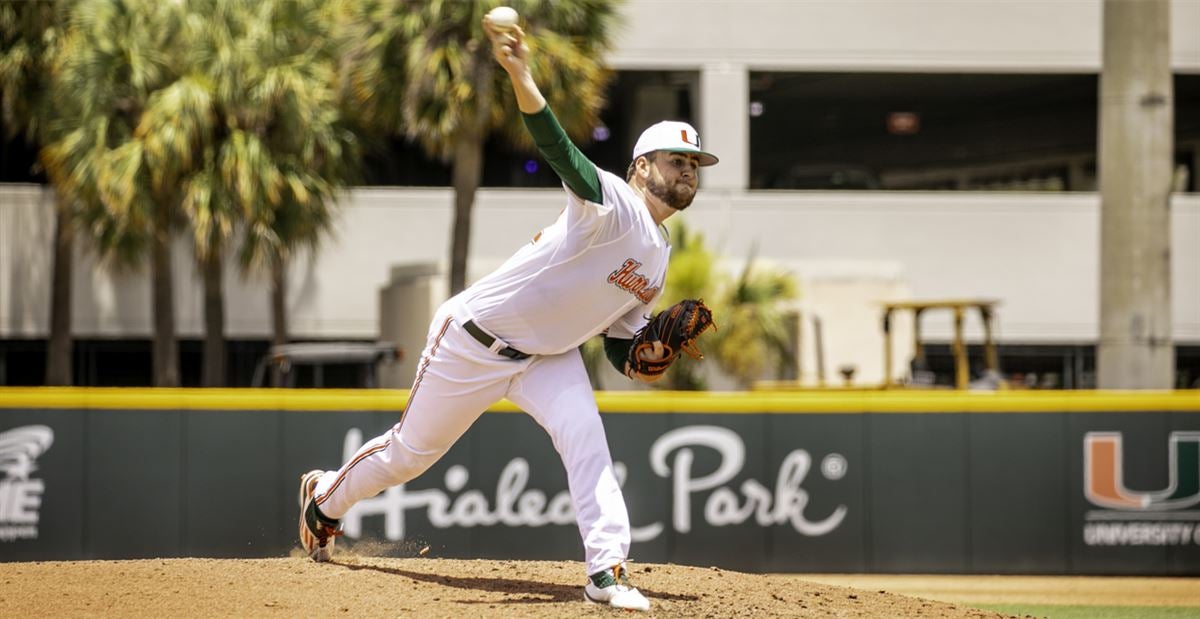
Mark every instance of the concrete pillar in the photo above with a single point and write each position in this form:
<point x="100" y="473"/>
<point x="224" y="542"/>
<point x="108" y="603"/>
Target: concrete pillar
<point x="1135" y="349"/>
<point x="406" y="306"/>
<point x="725" y="124"/>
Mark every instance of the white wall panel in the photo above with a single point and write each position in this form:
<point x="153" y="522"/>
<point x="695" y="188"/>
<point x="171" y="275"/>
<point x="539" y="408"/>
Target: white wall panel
<point x="1036" y="253"/>
<point x="886" y="35"/>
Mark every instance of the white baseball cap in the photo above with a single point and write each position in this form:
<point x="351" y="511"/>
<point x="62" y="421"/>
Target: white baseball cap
<point x="675" y="137"/>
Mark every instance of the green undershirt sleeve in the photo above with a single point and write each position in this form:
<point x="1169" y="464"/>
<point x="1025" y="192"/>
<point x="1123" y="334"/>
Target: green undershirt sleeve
<point x="575" y="169"/>
<point x="617" y="351"/>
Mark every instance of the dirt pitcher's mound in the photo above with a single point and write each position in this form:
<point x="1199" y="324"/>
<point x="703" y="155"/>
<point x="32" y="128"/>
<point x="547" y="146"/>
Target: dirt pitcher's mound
<point x="356" y="586"/>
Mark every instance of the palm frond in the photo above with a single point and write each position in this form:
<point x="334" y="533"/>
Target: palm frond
<point x="423" y="69"/>
<point x="221" y="111"/>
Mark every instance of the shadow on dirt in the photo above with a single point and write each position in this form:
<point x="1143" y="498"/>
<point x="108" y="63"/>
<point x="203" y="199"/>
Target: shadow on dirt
<point x="529" y="591"/>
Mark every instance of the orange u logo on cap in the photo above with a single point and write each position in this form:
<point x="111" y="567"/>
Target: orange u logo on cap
<point x="683" y="135"/>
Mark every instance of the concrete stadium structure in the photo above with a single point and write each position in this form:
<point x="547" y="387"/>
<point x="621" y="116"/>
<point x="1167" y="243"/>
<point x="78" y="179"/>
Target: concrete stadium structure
<point x="1036" y="252"/>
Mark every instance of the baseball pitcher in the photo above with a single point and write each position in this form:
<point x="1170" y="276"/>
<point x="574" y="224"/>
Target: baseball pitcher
<point x="598" y="269"/>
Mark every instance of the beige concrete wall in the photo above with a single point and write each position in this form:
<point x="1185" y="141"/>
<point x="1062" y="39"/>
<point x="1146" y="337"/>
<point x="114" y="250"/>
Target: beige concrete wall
<point x="845" y="298"/>
<point x="902" y="35"/>
<point x="1036" y="253"/>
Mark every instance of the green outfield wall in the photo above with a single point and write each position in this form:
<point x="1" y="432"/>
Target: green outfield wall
<point x="858" y="481"/>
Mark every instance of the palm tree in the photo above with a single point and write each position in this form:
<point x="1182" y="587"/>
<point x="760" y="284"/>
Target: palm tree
<point x="115" y="55"/>
<point x="231" y="123"/>
<point x="424" y="70"/>
<point x="754" y="335"/>
<point x="751" y="334"/>
<point x="692" y="274"/>
<point x="176" y="134"/>
<point x="274" y="156"/>
<point x="28" y="32"/>
<point x="293" y="149"/>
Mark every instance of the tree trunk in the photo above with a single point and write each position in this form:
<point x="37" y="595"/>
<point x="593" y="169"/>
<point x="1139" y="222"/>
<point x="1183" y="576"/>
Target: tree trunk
<point x="166" y="348"/>
<point x="214" y="317"/>
<point x="59" y="357"/>
<point x="278" y="309"/>
<point x="468" y="169"/>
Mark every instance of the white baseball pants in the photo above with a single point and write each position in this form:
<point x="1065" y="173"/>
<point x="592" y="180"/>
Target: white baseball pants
<point x="457" y="380"/>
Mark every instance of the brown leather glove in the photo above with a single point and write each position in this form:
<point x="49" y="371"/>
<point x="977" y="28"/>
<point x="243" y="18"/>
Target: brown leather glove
<point x="677" y="327"/>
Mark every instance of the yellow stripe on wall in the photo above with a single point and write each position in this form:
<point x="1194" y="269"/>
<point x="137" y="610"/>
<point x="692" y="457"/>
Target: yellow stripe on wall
<point x="780" y="402"/>
<point x="202" y="399"/>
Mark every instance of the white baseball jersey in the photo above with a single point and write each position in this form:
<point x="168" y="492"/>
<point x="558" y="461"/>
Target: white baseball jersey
<point x="598" y="267"/>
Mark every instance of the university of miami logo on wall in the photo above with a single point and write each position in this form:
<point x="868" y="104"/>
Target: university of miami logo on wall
<point x="1137" y="516"/>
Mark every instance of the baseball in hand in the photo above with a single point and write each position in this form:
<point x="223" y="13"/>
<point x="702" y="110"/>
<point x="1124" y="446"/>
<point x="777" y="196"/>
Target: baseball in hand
<point x="503" y="18"/>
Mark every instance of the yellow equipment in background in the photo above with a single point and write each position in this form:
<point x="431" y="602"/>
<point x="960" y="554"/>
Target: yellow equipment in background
<point x="920" y="376"/>
<point x="958" y="347"/>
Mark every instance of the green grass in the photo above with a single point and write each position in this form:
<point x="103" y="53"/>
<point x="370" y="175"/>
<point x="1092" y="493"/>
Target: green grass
<point x="1055" y="611"/>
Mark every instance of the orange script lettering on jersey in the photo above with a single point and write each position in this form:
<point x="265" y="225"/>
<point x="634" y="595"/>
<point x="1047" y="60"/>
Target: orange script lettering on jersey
<point x="627" y="278"/>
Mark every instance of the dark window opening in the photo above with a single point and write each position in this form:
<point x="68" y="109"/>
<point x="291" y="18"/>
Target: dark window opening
<point x="1049" y="366"/>
<point x="940" y="131"/>
<point x="124" y="362"/>
<point x="636" y="100"/>
<point x="18" y="160"/>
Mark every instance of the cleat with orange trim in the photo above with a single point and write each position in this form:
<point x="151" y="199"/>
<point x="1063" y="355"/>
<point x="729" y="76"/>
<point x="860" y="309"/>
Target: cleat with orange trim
<point x="612" y="587"/>
<point x="316" y="531"/>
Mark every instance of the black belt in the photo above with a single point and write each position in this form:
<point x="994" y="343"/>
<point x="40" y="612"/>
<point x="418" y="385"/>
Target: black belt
<point x="487" y="340"/>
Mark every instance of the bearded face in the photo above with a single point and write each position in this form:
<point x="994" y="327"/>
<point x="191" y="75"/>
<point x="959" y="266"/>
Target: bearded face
<point x="675" y="192"/>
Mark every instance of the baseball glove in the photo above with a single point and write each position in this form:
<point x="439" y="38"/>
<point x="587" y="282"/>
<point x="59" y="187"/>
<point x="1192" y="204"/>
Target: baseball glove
<point x="677" y="327"/>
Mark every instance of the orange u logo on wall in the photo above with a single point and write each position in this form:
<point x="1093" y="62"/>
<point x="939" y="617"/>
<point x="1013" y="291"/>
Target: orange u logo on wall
<point x="1104" y="479"/>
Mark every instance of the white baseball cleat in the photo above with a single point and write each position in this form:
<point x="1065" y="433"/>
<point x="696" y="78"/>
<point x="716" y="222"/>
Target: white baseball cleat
<point x="612" y="587"/>
<point x="317" y="532"/>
